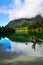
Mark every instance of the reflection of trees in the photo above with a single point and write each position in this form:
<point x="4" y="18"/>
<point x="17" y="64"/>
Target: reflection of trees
<point x="34" y="45"/>
<point x="35" y="41"/>
<point x="6" y="31"/>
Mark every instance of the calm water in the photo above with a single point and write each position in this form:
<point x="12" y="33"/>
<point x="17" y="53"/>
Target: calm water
<point x="21" y="48"/>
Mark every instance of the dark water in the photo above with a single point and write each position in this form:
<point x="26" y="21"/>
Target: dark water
<point x="21" y="48"/>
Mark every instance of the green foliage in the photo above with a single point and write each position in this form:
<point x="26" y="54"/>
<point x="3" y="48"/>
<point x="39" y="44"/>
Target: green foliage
<point x="23" y="22"/>
<point x="25" y="37"/>
<point x="33" y="26"/>
<point x="6" y="31"/>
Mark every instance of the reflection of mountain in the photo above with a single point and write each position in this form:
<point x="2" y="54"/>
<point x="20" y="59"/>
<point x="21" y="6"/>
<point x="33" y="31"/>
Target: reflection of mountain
<point x="24" y="21"/>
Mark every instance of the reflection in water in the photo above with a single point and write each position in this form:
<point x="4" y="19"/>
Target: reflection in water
<point x="27" y="49"/>
<point x="23" y="48"/>
<point x="5" y="41"/>
<point x="34" y="45"/>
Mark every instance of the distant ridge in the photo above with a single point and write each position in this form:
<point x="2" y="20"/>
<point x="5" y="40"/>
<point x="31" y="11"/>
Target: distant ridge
<point x="22" y="22"/>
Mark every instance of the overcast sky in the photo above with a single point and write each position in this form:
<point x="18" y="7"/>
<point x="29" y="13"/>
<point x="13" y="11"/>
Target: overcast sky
<point x="14" y="9"/>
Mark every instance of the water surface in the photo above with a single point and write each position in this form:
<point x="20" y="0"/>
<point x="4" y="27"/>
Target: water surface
<point x="21" y="48"/>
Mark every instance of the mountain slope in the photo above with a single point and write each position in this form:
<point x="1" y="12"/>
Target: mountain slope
<point x="24" y="21"/>
<point x="18" y="23"/>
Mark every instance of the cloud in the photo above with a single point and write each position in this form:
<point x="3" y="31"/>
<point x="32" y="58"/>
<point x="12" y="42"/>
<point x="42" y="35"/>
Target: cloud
<point x="2" y="9"/>
<point x="27" y="9"/>
<point x="23" y="9"/>
<point x="22" y="48"/>
<point x="5" y="8"/>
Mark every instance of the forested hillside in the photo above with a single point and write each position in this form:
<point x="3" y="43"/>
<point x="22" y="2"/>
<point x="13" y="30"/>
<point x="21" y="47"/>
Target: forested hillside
<point x="36" y="21"/>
